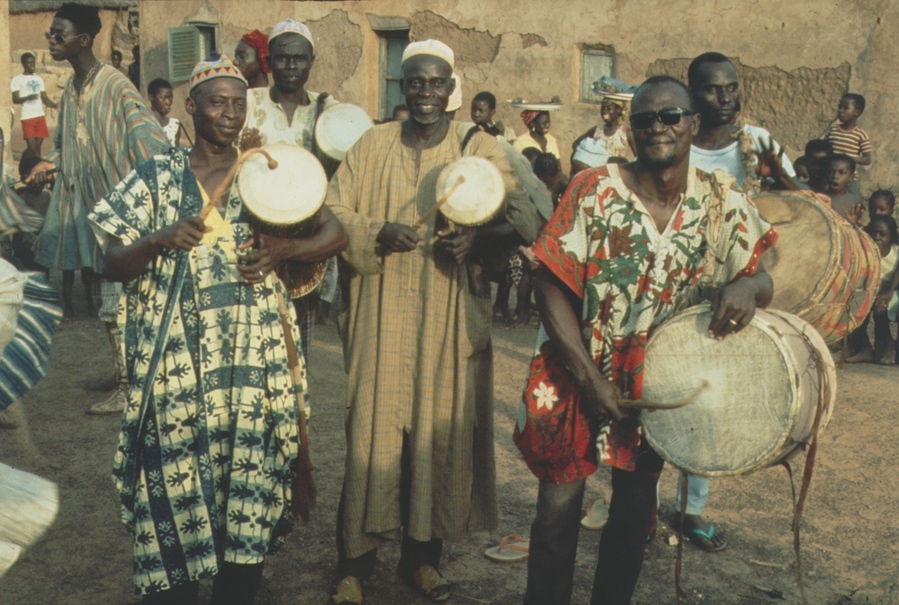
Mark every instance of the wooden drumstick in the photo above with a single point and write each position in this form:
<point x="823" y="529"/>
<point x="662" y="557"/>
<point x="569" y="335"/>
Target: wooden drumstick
<point x="642" y="404"/>
<point x="226" y="182"/>
<point x="427" y="216"/>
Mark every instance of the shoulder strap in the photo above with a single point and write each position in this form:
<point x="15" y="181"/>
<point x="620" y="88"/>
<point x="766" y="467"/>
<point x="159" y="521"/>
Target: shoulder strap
<point x="319" y="107"/>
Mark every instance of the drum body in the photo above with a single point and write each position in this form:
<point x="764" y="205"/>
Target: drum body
<point x="478" y="197"/>
<point x="286" y="202"/>
<point x="766" y="385"/>
<point x="824" y="269"/>
<point x="339" y="127"/>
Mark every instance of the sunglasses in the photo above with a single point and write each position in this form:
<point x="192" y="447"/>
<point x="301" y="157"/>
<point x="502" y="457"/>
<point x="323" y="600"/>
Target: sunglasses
<point x="670" y="116"/>
<point x="59" y="38"/>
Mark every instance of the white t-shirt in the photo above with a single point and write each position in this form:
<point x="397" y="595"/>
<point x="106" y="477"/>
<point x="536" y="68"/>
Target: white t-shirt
<point x="729" y="158"/>
<point x="29" y="85"/>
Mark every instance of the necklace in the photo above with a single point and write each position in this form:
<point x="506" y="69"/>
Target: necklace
<point x="80" y="82"/>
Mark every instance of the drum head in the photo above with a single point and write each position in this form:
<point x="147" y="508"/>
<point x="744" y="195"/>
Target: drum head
<point x="478" y="198"/>
<point x="802" y="261"/>
<point x="760" y="400"/>
<point x="287" y="194"/>
<point x="339" y="127"/>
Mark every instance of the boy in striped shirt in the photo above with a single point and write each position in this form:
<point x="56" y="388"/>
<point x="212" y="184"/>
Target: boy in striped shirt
<point x="846" y="136"/>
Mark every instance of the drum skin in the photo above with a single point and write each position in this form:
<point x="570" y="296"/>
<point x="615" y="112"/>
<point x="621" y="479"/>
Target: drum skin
<point x="478" y="198"/>
<point x="286" y="202"/>
<point x="339" y="127"/>
<point x="825" y="270"/>
<point x="765" y="386"/>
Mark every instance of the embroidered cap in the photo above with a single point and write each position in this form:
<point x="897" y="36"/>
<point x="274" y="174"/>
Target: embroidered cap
<point x="214" y="66"/>
<point x="435" y="48"/>
<point x="289" y="26"/>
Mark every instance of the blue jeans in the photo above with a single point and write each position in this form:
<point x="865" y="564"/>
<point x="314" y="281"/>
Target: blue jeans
<point x="697" y="493"/>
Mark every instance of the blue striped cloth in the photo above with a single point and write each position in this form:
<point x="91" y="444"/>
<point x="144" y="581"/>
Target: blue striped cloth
<point x="27" y="356"/>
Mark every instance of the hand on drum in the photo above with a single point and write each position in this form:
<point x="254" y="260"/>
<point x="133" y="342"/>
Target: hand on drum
<point x="733" y="307"/>
<point x="396" y="237"/>
<point x="456" y="241"/>
<point x="186" y="234"/>
<point x="256" y="265"/>
<point x="769" y="161"/>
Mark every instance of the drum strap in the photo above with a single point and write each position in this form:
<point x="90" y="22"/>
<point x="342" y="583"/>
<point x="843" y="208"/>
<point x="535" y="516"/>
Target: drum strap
<point x="812" y="447"/>
<point x="319" y="107"/>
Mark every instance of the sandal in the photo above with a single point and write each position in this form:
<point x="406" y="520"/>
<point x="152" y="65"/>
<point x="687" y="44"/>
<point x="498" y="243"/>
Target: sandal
<point x="430" y="583"/>
<point x="510" y="549"/>
<point x="349" y="590"/>
<point x="597" y="514"/>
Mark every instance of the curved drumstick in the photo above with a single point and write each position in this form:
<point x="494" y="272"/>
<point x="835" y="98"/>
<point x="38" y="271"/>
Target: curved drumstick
<point x="427" y="216"/>
<point x="642" y="404"/>
<point x="226" y="182"/>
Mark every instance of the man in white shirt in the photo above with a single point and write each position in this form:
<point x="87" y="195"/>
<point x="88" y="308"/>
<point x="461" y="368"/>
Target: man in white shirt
<point x="29" y="92"/>
<point x="750" y="155"/>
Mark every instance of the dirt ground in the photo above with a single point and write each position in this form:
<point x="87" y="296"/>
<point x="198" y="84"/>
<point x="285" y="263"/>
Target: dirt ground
<point x="850" y="533"/>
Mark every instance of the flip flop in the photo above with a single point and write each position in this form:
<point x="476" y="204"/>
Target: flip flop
<point x="597" y="514"/>
<point x="511" y="548"/>
<point x="703" y="539"/>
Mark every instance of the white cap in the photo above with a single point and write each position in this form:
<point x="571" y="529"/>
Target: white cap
<point x="435" y="48"/>
<point x="455" y="100"/>
<point x="289" y="26"/>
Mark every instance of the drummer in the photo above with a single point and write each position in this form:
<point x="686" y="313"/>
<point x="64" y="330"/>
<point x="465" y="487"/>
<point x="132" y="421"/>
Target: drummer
<point x="721" y="145"/>
<point x="286" y="113"/>
<point x="213" y="396"/>
<point x="627" y="244"/>
<point x="417" y="339"/>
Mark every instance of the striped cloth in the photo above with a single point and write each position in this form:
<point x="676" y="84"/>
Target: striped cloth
<point x="417" y="350"/>
<point x="16" y="214"/>
<point x="103" y="133"/>
<point x="855" y="142"/>
<point x="27" y="356"/>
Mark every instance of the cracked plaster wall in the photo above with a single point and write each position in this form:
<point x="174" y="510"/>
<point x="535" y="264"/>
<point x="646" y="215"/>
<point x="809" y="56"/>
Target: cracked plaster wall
<point x="795" y="58"/>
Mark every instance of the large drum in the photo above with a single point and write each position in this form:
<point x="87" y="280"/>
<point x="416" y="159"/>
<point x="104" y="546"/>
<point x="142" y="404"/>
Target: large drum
<point x="339" y="127"/>
<point x="765" y="387"/>
<point x="285" y="201"/>
<point x="825" y="270"/>
<point x="474" y="191"/>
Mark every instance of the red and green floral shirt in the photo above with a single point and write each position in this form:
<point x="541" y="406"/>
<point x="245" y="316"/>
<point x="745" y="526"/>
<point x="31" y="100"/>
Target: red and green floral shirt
<point x="603" y="244"/>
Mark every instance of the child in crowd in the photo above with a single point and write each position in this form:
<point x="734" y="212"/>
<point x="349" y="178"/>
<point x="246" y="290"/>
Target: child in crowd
<point x="845" y="135"/>
<point x="841" y="172"/>
<point x="800" y="165"/>
<point x="882" y="201"/>
<point x="817" y="153"/>
<point x="483" y="110"/>
<point x="882" y="230"/>
<point x="531" y="154"/>
<point x="549" y="170"/>
<point x="160" y="94"/>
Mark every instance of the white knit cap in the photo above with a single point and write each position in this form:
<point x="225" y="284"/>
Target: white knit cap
<point x="455" y="100"/>
<point x="289" y="26"/>
<point x="435" y="48"/>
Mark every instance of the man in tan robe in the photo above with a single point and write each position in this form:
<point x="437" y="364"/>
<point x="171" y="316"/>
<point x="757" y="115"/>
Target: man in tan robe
<point x="416" y="338"/>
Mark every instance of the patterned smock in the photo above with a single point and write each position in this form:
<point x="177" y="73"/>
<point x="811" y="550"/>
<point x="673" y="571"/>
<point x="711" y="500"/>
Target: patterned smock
<point x="203" y="461"/>
<point x="603" y="244"/>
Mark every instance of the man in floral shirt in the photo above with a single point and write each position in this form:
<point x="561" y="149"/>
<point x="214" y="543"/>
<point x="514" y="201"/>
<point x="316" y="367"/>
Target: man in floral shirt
<point x="628" y="247"/>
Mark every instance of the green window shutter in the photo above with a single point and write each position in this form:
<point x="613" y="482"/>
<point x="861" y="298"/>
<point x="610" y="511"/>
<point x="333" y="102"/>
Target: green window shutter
<point x="184" y="52"/>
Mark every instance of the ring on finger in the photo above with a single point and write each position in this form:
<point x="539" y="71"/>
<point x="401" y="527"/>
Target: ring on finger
<point x="261" y="274"/>
<point x="733" y="322"/>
